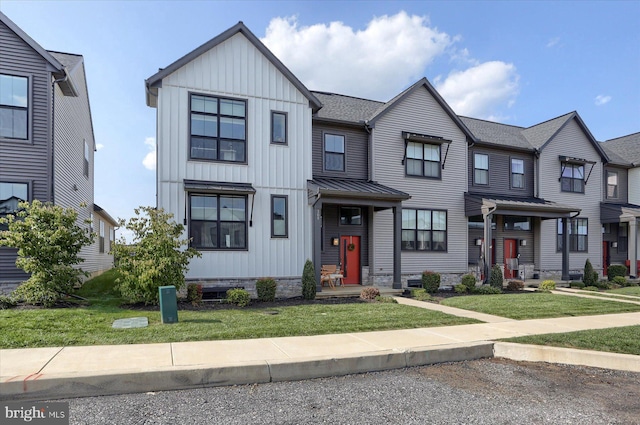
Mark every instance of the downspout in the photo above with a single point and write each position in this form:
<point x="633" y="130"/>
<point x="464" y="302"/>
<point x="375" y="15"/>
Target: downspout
<point x="53" y="131"/>
<point x="536" y="159"/>
<point x="369" y="151"/>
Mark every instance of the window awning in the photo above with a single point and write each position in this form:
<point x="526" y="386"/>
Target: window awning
<point x="532" y="207"/>
<point x="425" y="138"/>
<point x="218" y="187"/>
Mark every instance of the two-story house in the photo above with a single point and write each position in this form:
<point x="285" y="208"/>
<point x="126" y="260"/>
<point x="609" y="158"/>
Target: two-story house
<point x="47" y="142"/>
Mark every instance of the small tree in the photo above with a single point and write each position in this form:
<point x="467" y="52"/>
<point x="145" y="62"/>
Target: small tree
<point x="496" y="279"/>
<point x="590" y="277"/>
<point x="156" y="257"/>
<point x="308" y="281"/>
<point x="48" y="239"/>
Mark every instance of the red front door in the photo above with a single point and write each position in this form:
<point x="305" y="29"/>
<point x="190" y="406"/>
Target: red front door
<point x="605" y="257"/>
<point x="510" y="253"/>
<point x="350" y="259"/>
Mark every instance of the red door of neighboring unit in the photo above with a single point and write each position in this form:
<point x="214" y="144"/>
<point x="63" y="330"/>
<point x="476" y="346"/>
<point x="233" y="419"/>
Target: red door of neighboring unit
<point x="605" y="257"/>
<point x="510" y="252"/>
<point x="350" y="259"/>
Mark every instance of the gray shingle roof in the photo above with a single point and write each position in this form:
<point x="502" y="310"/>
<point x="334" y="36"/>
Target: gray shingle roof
<point x="495" y="133"/>
<point x="68" y="60"/>
<point x="346" y="108"/>
<point x="624" y="150"/>
<point x="540" y="134"/>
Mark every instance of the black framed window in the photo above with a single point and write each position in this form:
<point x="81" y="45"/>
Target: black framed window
<point x="424" y="230"/>
<point x="279" y="128"/>
<point x="14" y="107"/>
<point x="279" y="216"/>
<point x="578" y="235"/>
<point x="333" y="152"/>
<point x="86" y="159"/>
<point x="218" y="221"/>
<point x="10" y="195"/>
<point x="513" y="222"/>
<point x="623" y="238"/>
<point x="101" y="240"/>
<point x="218" y="129"/>
<point x="423" y="159"/>
<point x="572" y="179"/>
<point x="517" y="173"/>
<point x="480" y="169"/>
<point x="350" y="216"/>
<point x="612" y="184"/>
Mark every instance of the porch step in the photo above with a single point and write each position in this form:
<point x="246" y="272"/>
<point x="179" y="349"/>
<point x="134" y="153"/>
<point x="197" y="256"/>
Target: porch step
<point x="349" y="291"/>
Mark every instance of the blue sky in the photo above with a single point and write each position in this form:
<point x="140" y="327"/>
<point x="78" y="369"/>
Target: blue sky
<point x="518" y="62"/>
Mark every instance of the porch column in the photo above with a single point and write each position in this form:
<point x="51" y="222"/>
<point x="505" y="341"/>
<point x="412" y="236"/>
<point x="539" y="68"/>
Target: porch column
<point x="317" y="241"/>
<point x="565" y="248"/>
<point x="632" y="237"/>
<point x="397" y="246"/>
<point x="486" y="215"/>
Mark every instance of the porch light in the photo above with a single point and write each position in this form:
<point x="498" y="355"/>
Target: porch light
<point x="478" y="242"/>
<point x="523" y="242"/>
<point x="614" y="244"/>
<point x="335" y="241"/>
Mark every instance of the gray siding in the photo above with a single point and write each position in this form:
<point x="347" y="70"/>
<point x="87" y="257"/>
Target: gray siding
<point x="616" y="255"/>
<point x="500" y="172"/>
<point x="356" y="151"/>
<point x="333" y="229"/>
<point x="20" y="160"/>
<point x="623" y="185"/>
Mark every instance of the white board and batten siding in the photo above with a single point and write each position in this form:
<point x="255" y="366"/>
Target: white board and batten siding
<point x="571" y="141"/>
<point x="237" y="69"/>
<point x="420" y="113"/>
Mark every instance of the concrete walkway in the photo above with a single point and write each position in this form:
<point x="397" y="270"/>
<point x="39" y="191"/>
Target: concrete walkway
<point x="58" y="372"/>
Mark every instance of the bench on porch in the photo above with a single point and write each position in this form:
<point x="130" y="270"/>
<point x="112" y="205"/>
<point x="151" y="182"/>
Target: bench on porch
<point x="330" y="273"/>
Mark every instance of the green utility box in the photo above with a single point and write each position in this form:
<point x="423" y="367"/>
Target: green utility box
<point x="168" y="304"/>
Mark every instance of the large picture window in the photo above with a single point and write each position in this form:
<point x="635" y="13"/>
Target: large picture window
<point x="572" y="179"/>
<point x="333" y="152"/>
<point x="517" y="173"/>
<point x="279" y="216"/>
<point x="218" y="129"/>
<point x="218" y="221"/>
<point x="578" y="235"/>
<point x="423" y="159"/>
<point x="14" y="107"/>
<point x="481" y="169"/>
<point x="424" y="230"/>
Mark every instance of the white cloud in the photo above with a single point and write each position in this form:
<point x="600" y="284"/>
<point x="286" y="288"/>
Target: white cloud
<point x="149" y="160"/>
<point x="553" y="42"/>
<point x="602" y="99"/>
<point x="479" y="90"/>
<point x="377" y="62"/>
<point x="99" y="146"/>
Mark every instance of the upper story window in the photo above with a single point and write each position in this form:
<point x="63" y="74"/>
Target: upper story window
<point x="612" y="184"/>
<point x="279" y="220"/>
<point x="218" y="129"/>
<point x="578" y="235"/>
<point x="333" y="152"/>
<point x="424" y="230"/>
<point x="423" y="159"/>
<point x="278" y="128"/>
<point x="480" y="168"/>
<point x="101" y="240"/>
<point x="572" y="179"/>
<point x="14" y="107"/>
<point x="218" y="221"/>
<point x="86" y="159"/>
<point x="517" y="173"/>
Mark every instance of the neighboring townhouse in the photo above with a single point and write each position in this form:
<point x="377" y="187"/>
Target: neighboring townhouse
<point x="46" y="135"/>
<point x="104" y="227"/>
<point x="234" y="156"/>
<point x="620" y="209"/>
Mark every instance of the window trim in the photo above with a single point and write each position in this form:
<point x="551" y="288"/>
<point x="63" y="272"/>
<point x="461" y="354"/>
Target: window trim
<point x="286" y="217"/>
<point x="218" y="138"/>
<point x="616" y="192"/>
<point x="511" y="174"/>
<point x="218" y="195"/>
<point x="573" y="247"/>
<point x="423" y="143"/>
<point x="286" y="128"/>
<point x="475" y="168"/>
<point x="29" y="107"/>
<point x="446" y="231"/>
<point x="324" y="152"/>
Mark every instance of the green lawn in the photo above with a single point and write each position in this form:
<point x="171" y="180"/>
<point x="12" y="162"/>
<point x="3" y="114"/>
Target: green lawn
<point x="537" y="305"/>
<point x="629" y="290"/>
<point x="615" y="340"/>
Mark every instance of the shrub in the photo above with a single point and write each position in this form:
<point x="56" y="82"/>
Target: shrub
<point x="421" y="295"/>
<point x="603" y="284"/>
<point x="576" y="284"/>
<point x="487" y="290"/>
<point x="308" y="281"/>
<point x="469" y="281"/>
<point x="369" y="293"/>
<point x="194" y="293"/>
<point x="266" y="288"/>
<point x="547" y="286"/>
<point x="619" y="280"/>
<point x="430" y="281"/>
<point x="496" y="278"/>
<point x="156" y="258"/>
<point x="590" y="277"/>
<point x="49" y="240"/>
<point x="591" y="288"/>
<point x="615" y="270"/>
<point x="238" y="296"/>
<point x="461" y="288"/>
<point x="389" y="300"/>
<point x="515" y="285"/>
<point x="6" y="302"/>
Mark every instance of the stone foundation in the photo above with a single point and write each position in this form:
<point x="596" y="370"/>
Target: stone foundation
<point x="286" y="287"/>
<point x="447" y="280"/>
<point x="8" y="287"/>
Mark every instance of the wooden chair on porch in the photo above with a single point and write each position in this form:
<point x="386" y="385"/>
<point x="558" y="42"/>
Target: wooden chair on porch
<point x="329" y="273"/>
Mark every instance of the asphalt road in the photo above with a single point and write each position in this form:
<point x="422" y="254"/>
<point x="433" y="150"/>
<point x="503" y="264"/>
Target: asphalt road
<point x="476" y="392"/>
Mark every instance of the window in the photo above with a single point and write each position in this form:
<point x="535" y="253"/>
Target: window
<point x="480" y="168"/>
<point x="350" y="216"/>
<point x="423" y="159"/>
<point x="10" y="195"/>
<point x="578" y="235"/>
<point x="279" y="127"/>
<point x="112" y="237"/>
<point x="572" y="178"/>
<point x="623" y="238"/>
<point x="90" y="223"/>
<point x="477" y="222"/>
<point x="279" y="218"/>
<point x="218" y="221"/>
<point x="86" y="159"/>
<point x="612" y="184"/>
<point x="333" y="152"/>
<point x="424" y="230"/>
<point x="14" y="107"/>
<point x="517" y="223"/>
<point x="218" y="129"/>
<point x="101" y="226"/>
<point x="517" y="173"/>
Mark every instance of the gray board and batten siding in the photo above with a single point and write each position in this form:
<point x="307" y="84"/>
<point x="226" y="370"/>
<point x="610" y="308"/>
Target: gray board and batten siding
<point x="356" y="141"/>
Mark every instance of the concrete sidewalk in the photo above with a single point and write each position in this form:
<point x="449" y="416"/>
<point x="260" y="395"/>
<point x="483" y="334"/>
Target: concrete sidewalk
<point x="58" y="372"/>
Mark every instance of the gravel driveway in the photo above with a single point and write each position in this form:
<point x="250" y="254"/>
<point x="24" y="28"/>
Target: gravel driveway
<point x="475" y="392"/>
